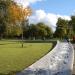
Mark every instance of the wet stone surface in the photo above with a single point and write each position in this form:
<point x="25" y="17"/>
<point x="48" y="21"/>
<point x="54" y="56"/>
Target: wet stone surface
<point x="57" y="62"/>
<point x="74" y="61"/>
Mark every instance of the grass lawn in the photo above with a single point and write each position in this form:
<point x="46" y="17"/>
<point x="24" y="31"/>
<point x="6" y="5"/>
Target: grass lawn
<point x="15" y="58"/>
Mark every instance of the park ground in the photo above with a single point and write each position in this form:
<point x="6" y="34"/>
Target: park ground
<point x="14" y="58"/>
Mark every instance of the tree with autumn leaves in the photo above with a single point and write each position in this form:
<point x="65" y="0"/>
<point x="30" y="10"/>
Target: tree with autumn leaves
<point x="11" y="18"/>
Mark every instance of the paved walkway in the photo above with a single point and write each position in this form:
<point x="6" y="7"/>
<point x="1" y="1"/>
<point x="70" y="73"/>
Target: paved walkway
<point x="74" y="61"/>
<point x="57" y="62"/>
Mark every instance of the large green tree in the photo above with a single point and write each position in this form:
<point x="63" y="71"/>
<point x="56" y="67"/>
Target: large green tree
<point x="44" y="30"/>
<point x="33" y="31"/>
<point x="72" y="24"/>
<point x="62" y="28"/>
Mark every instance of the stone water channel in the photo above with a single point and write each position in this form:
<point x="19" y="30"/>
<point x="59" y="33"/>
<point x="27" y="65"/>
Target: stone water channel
<point x="74" y="61"/>
<point x="57" y="62"/>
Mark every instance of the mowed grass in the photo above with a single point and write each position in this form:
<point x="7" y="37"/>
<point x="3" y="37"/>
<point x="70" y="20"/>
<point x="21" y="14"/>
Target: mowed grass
<point x="15" y="58"/>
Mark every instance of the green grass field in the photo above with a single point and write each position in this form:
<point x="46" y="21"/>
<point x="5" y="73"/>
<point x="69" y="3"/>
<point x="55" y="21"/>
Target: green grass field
<point x="15" y="58"/>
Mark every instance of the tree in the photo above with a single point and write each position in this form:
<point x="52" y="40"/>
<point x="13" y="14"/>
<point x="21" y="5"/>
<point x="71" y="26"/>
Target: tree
<point x="9" y="16"/>
<point x="18" y="15"/>
<point x="36" y="31"/>
<point x="25" y="28"/>
<point x="72" y="24"/>
<point x="43" y="30"/>
<point x="49" y="32"/>
<point x="25" y="13"/>
<point x="12" y="14"/>
<point x="2" y="28"/>
<point x="3" y="7"/>
<point x="62" y="28"/>
<point x="33" y="31"/>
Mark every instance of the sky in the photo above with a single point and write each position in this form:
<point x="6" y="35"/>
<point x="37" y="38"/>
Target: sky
<point x="62" y="7"/>
<point x="48" y="11"/>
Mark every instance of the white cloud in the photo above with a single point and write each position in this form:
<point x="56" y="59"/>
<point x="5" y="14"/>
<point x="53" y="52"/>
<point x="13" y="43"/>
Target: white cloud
<point x="48" y="18"/>
<point x="25" y="3"/>
<point x="64" y="17"/>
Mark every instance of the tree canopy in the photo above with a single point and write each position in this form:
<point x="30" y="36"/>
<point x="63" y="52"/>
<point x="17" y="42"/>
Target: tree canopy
<point x="65" y="28"/>
<point x="11" y="17"/>
<point x="62" y="28"/>
<point x="72" y="23"/>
